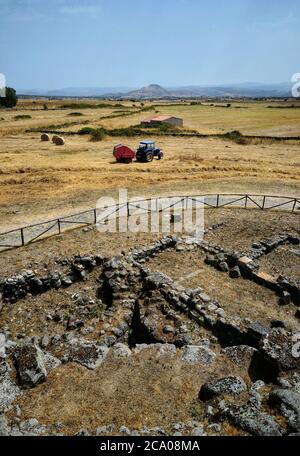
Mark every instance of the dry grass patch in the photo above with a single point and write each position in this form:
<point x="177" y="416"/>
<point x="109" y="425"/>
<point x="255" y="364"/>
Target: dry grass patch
<point x="141" y="390"/>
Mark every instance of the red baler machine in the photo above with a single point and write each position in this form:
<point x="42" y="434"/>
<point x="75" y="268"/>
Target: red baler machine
<point x="123" y="154"/>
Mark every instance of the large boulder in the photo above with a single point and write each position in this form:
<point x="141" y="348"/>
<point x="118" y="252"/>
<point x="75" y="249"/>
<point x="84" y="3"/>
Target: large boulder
<point x="251" y="420"/>
<point x="250" y="359"/>
<point x="30" y="364"/>
<point x="240" y="354"/>
<point x="288" y="402"/>
<point x="277" y="347"/>
<point x="195" y="354"/>
<point x="227" y="385"/>
<point x="86" y="353"/>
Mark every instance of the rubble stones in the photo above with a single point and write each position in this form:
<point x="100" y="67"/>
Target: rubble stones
<point x="167" y="329"/>
<point x="9" y="390"/>
<point x="235" y="272"/>
<point x="223" y="266"/>
<point x="103" y="430"/>
<point x="182" y="339"/>
<point x="50" y="361"/>
<point x="157" y="280"/>
<point x="198" y="432"/>
<point x="285" y="298"/>
<point x="204" y="297"/>
<point x="74" y="323"/>
<point x="4" y="428"/>
<point x="14" y="288"/>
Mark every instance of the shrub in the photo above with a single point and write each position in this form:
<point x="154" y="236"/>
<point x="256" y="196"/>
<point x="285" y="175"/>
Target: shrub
<point x="97" y="134"/>
<point x="45" y="107"/>
<point x="235" y="136"/>
<point x="85" y="131"/>
<point x="90" y="105"/>
<point x="75" y="114"/>
<point x="22" y="117"/>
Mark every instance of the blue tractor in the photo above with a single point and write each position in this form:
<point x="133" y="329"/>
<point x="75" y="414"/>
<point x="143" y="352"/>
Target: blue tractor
<point x="146" y="151"/>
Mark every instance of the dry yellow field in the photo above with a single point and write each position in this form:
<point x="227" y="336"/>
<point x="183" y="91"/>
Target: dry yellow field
<point x="40" y="180"/>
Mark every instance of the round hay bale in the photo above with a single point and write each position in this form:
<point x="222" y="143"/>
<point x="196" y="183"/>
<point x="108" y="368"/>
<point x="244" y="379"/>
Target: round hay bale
<point x="59" y="141"/>
<point x="45" y="137"/>
<point x="54" y="138"/>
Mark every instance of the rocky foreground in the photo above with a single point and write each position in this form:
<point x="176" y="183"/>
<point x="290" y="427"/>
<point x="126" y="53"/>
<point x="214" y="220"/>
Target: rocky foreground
<point x="137" y="328"/>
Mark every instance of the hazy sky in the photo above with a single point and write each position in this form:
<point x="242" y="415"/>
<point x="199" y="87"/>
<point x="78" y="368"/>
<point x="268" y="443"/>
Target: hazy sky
<point x="103" y="43"/>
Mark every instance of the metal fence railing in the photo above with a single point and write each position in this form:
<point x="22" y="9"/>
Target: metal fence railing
<point x="28" y="234"/>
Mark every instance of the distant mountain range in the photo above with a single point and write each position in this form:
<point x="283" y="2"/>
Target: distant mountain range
<point x="155" y="91"/>
<point x="75" y="91"/>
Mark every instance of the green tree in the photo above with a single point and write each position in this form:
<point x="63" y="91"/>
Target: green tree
<point x="10" y="100"/>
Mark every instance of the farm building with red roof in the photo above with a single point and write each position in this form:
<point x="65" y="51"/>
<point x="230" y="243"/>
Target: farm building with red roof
<point x="171" y="120"/>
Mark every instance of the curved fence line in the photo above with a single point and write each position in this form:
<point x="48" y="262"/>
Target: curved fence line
<point x="30" y="233"/>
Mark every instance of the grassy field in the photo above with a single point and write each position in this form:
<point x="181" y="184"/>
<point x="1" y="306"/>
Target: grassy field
<point x="40" y="180"/>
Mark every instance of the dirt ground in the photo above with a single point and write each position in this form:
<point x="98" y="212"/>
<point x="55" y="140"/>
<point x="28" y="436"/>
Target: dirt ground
<point x="151" y="391"/>
<point x="286" y="258"/>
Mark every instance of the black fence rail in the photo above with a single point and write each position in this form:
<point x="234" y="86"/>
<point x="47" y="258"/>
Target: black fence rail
<point x="31" y="233"/>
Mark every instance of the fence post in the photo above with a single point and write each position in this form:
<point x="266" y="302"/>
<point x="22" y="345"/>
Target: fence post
<point x="22" y="236"/>
<point x="95" y="216"/>
<point x="246" y="200"/>
<point x="58" y="224"/>
<point x="294" y="205"/>
<point x="128" y="211"/>
<point x="263" y="204"/>
<point x="218" y="196"/>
